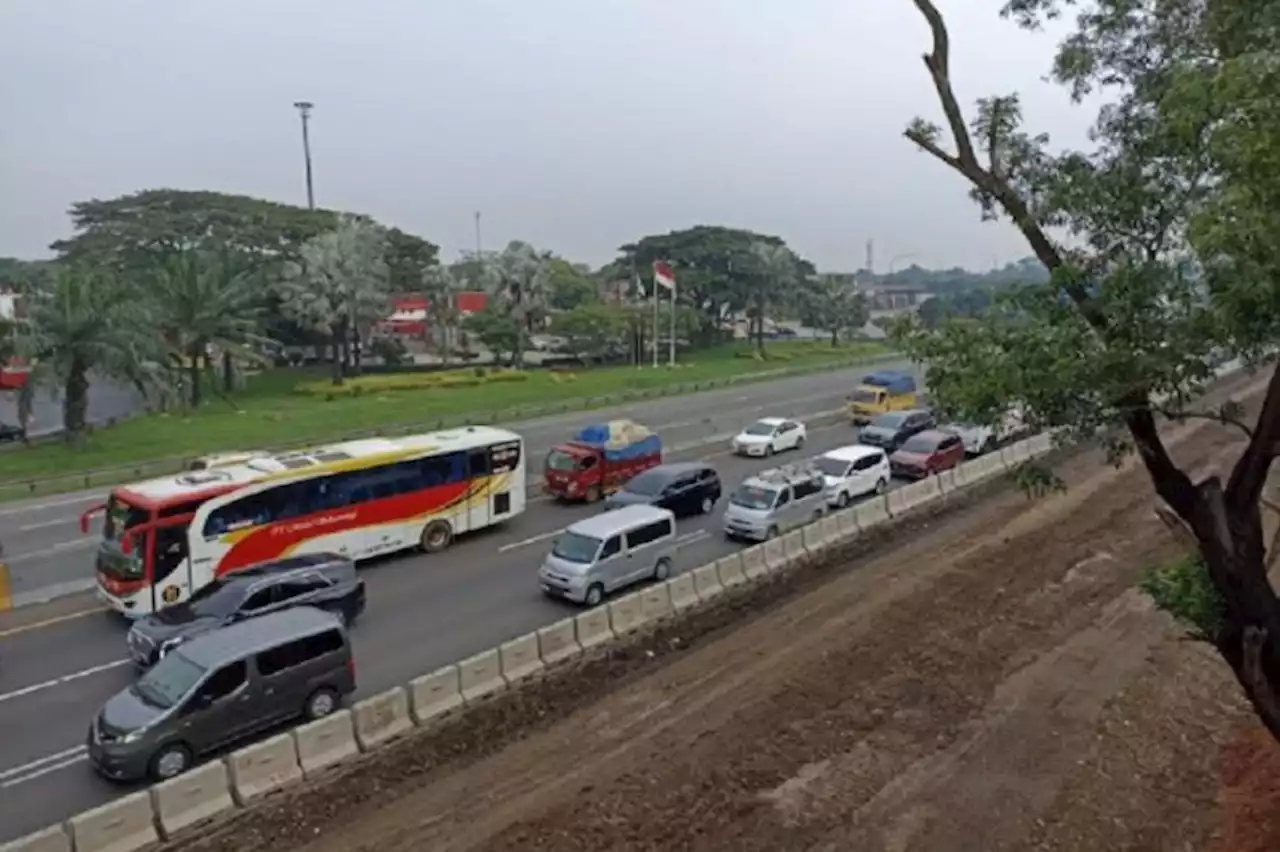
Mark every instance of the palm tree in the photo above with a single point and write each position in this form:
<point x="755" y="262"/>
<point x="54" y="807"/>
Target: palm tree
<point x="206" y="299"/>
<point x="441" y="285"/>
<point x="86" y="321"/>
<point x="778" y="272"/>
<point x="521" y="275"/>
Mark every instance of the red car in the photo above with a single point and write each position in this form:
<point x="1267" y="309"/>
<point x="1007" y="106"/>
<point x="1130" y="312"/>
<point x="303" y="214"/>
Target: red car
<point x="927" y="453"/>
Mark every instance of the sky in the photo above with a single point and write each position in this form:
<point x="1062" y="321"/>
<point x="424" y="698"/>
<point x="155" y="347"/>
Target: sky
<point x="576" y="125"/>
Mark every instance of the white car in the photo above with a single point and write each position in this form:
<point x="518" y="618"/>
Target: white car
<point x="853" y="471"/>
<point x="769" y="435"/>
<point x="980" y="439"/>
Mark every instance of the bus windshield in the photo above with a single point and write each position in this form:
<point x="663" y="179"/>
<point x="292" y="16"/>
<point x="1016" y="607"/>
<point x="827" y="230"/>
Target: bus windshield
<point x="121" y="516"/>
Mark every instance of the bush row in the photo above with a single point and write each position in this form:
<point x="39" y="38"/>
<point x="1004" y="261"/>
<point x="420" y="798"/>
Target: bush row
<point x="410" y="382"/>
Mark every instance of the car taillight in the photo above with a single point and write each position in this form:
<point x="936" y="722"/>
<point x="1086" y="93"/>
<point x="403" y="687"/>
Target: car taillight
<point x="351" y="666"/>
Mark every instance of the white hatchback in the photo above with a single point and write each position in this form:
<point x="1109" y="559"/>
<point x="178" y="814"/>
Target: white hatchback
<point x="769" y="435"/>
<point x="853" y="471"/>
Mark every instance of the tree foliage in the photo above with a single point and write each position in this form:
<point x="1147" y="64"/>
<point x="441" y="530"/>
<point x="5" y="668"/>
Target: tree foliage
<point x="834" y="306"/>
<point x="592" y="332"/>
<point x="570" y="285"/>
<point x="1159" y="241"/>
<point x="521" y="279"/>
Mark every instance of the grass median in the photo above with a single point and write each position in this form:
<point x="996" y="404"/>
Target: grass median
<point x="296" y="407"/>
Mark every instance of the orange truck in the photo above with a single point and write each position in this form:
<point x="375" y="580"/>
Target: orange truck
<point x="599" y="459"/>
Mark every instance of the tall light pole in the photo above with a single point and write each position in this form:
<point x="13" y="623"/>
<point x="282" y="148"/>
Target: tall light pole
<point x="304" y="111"/>
<point x="479" y="245"/>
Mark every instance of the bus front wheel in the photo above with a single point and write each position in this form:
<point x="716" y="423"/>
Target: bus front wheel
<point x="436" y="536"/>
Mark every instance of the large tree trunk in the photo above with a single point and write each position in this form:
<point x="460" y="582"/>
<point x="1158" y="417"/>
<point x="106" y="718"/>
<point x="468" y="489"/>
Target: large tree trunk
<point x="193" y="373"/>
<point x="835" y="338"/>
<point x="760" y="326"/>
<point x="75" y="400"/>
<point x="228" y="373"/>
<point x="337" y="361"/>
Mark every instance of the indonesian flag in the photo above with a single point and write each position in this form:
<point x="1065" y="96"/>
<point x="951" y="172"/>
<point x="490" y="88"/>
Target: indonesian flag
<point x="663" y="275"/>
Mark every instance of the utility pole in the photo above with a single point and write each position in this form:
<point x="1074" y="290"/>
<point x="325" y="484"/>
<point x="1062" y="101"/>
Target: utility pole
<point x="479" y="244"/>
<point x="304" y="111"/>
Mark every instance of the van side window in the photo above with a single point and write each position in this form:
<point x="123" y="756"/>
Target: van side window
<point x="225" y="681"/>
<point x="806" y="488"/>
<point x="611" y="547"/>
<point x="784" y="497"/>
<point x="649" y="533"/>
<point x="297" y="652"/>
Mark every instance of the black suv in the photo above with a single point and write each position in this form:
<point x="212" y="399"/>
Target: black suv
<point x="327" y="581"/>
<point x="890" y="431"/>
<point x="688" y="488"/>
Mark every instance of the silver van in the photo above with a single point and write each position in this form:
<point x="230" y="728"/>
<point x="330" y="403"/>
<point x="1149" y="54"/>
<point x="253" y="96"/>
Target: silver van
<point x="610" y="551"/>
<point x="775" y="501"/>
<point x="222" y="687"/>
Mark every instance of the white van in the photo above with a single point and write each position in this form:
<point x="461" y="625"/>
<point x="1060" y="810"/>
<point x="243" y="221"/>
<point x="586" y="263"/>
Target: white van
<point x="853" y="471"/>
<point x="610" y="551"/>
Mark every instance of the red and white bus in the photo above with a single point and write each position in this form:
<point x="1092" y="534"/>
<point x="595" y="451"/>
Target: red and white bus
<point x="165" y="538"/>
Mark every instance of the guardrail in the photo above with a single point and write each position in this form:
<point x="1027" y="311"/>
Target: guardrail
<point x="220" y="787"/>
<point x="102" y="477"/>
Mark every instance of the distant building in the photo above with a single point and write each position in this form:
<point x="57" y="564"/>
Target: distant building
<point x="410" y="316"/>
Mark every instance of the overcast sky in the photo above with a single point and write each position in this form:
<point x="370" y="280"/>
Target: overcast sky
<point x="577" y="125"/>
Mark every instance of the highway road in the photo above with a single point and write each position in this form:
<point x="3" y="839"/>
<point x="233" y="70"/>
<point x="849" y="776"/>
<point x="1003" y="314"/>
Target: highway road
<point x="107" y="401"/>
<point x="60" y="660"/>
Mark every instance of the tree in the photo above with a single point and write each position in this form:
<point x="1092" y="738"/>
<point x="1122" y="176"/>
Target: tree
<point x="339" y="282"/>
<point x="441" y="286"/>
<point x="593" y="332"/>
<point x="520" y="275"/>
<point x="963" y="304"/>
<point x="409" y="260"/>
<point x="499" y="331"/>
<point x="1170" y="221"/>
<point x="777" y="271"/>
<point x="204" y="299"/>
<point x="833" y="306"/>
<point x="570" y="285"/>
<point x="86" y="321"/>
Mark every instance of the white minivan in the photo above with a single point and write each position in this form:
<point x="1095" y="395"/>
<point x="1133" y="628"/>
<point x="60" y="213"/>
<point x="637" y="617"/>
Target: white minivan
<point x="608" y="552"/>
<point x="853" y="471"/>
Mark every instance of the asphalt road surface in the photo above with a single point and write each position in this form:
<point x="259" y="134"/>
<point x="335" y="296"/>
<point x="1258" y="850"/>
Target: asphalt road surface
<point x="60" y="660"/>
<point x="107" y="401"/>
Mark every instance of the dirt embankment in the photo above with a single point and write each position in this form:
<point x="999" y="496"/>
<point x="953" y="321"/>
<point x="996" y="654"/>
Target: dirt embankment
<point x="992" y="683"/>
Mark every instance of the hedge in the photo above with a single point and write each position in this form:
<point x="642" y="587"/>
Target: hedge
<point x="394" y="382"/>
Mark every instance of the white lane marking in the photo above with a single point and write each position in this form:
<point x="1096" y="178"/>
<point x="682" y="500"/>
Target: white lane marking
<point x="50" y="504"/>
<point x="6" y="774"/>
<point x="691" y="538"/>
<point x="73" y="544"/>
<point x="533" y="539"/>
<point x="46" y="769"/>
<point x="58" y="681"/>
<point x="49" y="523"/>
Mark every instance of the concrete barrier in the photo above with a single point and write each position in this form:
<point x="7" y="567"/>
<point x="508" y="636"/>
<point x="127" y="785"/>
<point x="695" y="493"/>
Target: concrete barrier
<point x="730" y="569"/>
<point x="433" y="695"/>
<point x="655" y="602"/>
<point x="52" y="839"/>
<point x="192" y="797"/>
<point x="1016" y="453"/>
<point x="1039" y="445"/>
<point x="593" y="627"/>
<point x="966" y="474"/>
<point x="263" y="768"/>
<point x="829" y="529"/>
<point x="518" y="658"/>
<point x="872" y="512"/>
<point x="846" y="523"/>
<point x="382" y="717"/>
<point x="480" y="675"/>
<point x="793" y="546"/>
<point x="947" y="481"/>
<point x="774" y="556"/>
<point x="753" y="562"/>
<point x="910" y="496"/>
<point x="626" y="614"/>
<point x="558" y="642"/>
<point x="706" y="581"/>
<point x="324" y="742"/>
<point x="683" y="592"/>
<point x="984" y="468"/>
<point x="120" y="826"/>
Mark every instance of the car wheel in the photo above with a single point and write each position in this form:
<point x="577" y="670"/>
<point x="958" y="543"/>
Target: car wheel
<point x="843" y="500"/>
<point x="436" y="536"/>
<point x="800" y="442"/>
<point x="662" y="570"/>
<point x="768" y="449"/>
<point x="593" y="494"/>
<point x="707" y="505"/>
<point x="594" y="595"/>
<point x="881" y="486"/>
<point x="321" y="703"/>
<point x="169" y="762"/>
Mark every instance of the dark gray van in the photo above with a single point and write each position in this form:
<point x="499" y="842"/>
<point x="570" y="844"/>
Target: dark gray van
<point x="223" y="687"/>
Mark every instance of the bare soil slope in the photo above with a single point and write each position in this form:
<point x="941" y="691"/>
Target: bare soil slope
<point x="992" y="683"/>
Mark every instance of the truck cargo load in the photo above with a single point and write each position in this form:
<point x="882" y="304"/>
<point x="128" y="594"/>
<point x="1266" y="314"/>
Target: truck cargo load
<point x="620" y="440"/>
<point x="880" y="392"/>
<point x="893" y="381"/>
<point x="599" y="458"/>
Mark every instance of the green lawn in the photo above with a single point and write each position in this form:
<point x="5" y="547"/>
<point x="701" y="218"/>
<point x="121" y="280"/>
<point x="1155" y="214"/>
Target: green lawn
<point x="270" y="413"/>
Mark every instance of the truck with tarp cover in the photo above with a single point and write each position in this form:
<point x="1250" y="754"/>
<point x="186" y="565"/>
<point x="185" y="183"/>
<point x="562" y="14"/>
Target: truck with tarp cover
<point x="881" y="392"/>
<point x="599" y="459"/>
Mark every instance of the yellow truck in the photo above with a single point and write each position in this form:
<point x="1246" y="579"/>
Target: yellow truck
<point x="878" y="393"/>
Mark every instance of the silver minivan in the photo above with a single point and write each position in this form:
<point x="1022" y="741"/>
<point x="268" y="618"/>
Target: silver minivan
<point x="775" y="501"/>
<point x="610" y="551"/>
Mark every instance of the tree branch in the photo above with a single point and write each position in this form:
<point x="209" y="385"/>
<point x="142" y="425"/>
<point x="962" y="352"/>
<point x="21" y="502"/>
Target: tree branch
<point x="938" y="61"/>
<point x="1177" y="414"/>
<point x="1250" y="472"/>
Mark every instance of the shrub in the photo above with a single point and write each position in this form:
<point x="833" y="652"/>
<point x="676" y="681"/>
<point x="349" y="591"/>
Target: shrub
<point x="396" y="382"/>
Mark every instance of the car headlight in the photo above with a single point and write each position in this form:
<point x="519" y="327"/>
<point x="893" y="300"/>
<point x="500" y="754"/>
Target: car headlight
<point x="133" y="736"/>
<point x="169" y="644"/>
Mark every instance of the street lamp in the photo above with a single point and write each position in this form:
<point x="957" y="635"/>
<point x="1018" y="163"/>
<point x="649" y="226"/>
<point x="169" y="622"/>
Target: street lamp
<point x="304" y="111"/>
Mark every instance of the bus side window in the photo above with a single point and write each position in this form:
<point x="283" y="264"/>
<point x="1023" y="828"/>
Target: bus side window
<point x="477" y="463"/>
<point x="444" y="470"/>
<point x="171" y="551"/>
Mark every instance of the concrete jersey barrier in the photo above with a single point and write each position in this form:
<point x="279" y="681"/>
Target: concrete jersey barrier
<point x="382" y="717"/>
<point x="263" y="768"/>
<point x="193" y="797"/>
<point x="324" y="742"/>
<point x="124" y="825"/>
<point x="558" y="642"/>
<point x="433" y="695"/>
<point x="593" y="628"/>
<point x="518" y="659"/>
<point x="52" y="839"/>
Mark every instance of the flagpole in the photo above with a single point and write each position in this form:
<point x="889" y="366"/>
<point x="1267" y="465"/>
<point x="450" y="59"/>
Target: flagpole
<point x="673" y="325"/>
<point x="655" y="318"/>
